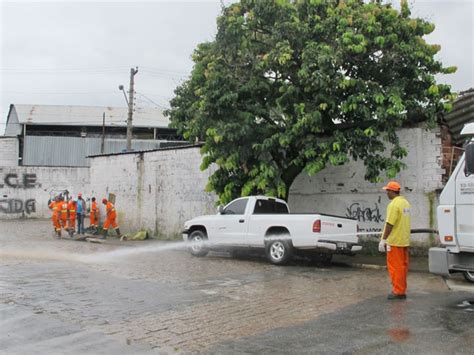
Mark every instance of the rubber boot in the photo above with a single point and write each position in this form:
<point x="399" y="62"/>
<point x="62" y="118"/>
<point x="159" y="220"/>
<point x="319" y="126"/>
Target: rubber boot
<point x="104" y="235"/>
<point x="59" y="234"/>
<point x="117" y="230"/>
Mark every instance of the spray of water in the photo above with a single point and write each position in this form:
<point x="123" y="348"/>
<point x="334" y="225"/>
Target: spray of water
<point x="101" y="257"/>
<point x="121" y="253"/>
<point x="109" y="256"/>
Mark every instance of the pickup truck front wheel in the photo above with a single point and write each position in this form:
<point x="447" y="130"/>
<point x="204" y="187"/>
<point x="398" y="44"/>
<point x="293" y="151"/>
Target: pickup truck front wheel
<point x="197" y="241"/>
<point x="469" y="276"/>
<point x="279" y="251"/>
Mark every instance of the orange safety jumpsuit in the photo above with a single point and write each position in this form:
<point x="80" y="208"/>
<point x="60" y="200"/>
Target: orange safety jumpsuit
<point x="71" y="208"/>
<point x="111" y="219"/>
<point x="54" y="216"/>
<point x="94" y="216"/>
<point x="63" y="213"/>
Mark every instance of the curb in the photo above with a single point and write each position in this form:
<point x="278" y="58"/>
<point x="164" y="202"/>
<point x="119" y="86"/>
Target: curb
<point x="368" y="266"/>
<point x="381" y="267"/>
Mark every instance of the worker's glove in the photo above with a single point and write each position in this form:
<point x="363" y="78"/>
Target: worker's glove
<point x="382" y="245"/>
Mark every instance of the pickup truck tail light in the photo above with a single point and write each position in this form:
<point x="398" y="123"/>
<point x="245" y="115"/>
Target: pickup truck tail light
<point x="317" y="226"/>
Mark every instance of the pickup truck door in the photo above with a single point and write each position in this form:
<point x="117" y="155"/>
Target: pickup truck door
<point x="231" y="226"/>
<point x="265" y="212"/>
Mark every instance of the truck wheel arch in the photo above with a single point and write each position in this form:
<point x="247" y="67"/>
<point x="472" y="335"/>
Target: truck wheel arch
<point x="195" y="228"/>
<point x="277" y="231"/>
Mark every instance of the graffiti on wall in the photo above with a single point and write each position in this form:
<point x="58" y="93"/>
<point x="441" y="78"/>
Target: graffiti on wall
<point x="365" y="213"/>
<point x="13" y="180"/>
<point x="13" y="205"/>
<point x="369" y="214"/>
<point x="18" y="181"/>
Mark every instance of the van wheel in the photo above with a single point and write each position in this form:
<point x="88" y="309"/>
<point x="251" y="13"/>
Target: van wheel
<point x="279" y="252"/>
<point x="197" y="240"/>
<point x="469" y="275"/>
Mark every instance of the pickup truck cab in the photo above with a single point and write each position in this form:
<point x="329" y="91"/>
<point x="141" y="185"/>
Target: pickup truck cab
<point x="266" y="223"/>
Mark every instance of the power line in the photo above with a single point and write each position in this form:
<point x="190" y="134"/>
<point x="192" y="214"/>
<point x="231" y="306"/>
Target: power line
<point x="150" y="100"/>
<point x="77" y="93"/>
<point x="58" y="93"/>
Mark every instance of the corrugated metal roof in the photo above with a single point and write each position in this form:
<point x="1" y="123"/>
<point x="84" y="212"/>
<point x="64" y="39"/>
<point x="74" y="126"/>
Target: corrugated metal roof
<point x="88" y="116"/>
<point x="72" y="151"/>
<point x="462" y="113"/>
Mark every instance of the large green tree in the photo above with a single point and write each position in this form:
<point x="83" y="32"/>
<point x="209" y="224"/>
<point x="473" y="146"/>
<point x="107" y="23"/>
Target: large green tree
<point x="291" y="86"/>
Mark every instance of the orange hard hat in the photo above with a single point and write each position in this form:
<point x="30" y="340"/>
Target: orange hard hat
<point x="392" y="186"/>
<point x="104" y="200"/>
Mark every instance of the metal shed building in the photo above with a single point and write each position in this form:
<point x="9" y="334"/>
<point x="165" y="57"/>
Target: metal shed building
<point x="66" y="135"/>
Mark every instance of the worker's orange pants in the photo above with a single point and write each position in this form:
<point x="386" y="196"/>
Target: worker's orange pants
<point x="71" y="223"/>
<point x="94" y="220"/>
<point x="56" y="224"/>
<point x="397" y="264"/>
<point x="63" y="222"/>
<point x="110" y="222"/>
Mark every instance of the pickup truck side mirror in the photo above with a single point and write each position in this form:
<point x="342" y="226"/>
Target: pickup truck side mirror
<point x="469" y="160"/>
<point x="220" y="209"/>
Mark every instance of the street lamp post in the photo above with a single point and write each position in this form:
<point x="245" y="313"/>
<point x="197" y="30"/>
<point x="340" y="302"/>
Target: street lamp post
<point x="133" y="72"/>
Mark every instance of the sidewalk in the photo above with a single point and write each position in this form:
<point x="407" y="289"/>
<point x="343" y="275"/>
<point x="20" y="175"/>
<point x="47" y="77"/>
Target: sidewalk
<point x="417" y="263"/>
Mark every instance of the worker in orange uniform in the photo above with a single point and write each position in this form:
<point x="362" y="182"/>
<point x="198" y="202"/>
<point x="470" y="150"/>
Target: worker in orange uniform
<point x="111" y="218"/>
<point x="53" y="206"/>
<point x="94" y="216"/>
<point x="71" y="213"/>
<point x="62" y="211"/>
<point x="396" y="240"/>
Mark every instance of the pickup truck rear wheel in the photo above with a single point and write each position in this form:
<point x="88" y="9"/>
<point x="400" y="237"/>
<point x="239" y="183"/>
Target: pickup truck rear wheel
<point x="197" y="241"/>
<point x="469" y="275"/>
<point x="279" y="252"/>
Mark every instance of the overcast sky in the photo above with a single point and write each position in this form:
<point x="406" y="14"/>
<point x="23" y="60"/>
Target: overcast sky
<point x="77" y="53"/>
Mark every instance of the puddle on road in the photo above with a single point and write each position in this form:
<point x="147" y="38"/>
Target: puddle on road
<point x="95" y="257"/>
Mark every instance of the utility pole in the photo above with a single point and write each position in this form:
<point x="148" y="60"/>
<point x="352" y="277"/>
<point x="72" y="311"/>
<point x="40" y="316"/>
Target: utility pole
<point x="102" y="143"/>
<point x="131" y="92"/>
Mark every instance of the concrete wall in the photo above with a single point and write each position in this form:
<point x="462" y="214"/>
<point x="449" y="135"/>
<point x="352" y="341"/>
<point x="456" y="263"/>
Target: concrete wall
<point x="24" y="191"/>
<point x="155" y="190"/>
<point x="343" y="191"/>
<point x="159" y="190"/>
<point x="9" y="151"/>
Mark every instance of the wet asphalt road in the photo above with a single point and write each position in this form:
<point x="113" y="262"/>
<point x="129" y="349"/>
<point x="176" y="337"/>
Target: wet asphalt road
<point x="60" y="296"/>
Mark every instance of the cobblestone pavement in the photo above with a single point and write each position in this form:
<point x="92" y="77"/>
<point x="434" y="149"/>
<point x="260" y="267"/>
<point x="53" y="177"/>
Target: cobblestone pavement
<point x="153" y="297"/>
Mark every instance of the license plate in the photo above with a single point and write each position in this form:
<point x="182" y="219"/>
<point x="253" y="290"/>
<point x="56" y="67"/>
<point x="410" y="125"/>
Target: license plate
<point x="342" y="245"/>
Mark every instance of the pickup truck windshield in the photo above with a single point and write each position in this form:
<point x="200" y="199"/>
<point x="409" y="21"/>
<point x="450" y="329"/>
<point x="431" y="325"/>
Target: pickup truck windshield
<point x="270" y="207"/>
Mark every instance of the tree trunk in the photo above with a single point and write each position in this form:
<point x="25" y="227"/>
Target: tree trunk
<point x="288" y="177"/>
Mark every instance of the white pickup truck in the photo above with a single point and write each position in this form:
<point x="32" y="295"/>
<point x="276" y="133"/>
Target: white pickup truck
<point x="266" y="223"/>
